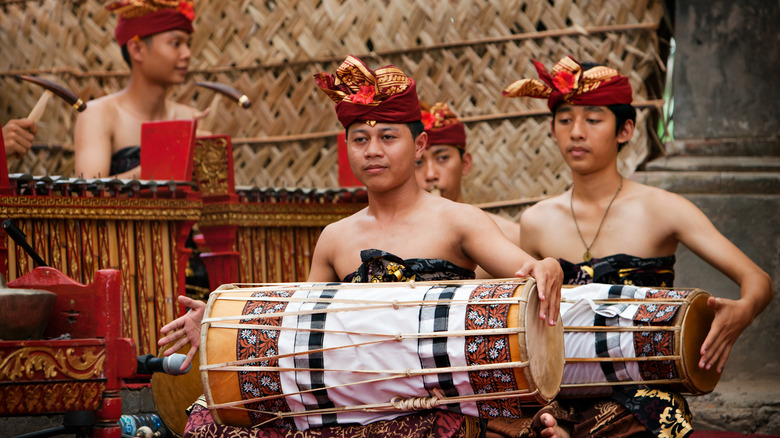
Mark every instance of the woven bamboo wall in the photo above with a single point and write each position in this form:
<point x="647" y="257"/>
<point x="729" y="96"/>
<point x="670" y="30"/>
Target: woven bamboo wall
<point x="463" y="52"/>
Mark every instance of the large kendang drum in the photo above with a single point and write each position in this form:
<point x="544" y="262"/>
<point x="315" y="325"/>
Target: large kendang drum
<point x="312" y="355"/>
<point x="625" y="335"/>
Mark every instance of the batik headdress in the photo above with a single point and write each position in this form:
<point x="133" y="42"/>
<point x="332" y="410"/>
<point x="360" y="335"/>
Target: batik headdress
<point x="362" y="94"/>
<point x="140" y="18"/>
<point x="443" y="126"/>
<point x="568" y="83"/>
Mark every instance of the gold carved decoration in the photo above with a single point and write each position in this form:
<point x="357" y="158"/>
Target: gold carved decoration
<point x="63" y="207"/>
<point x="41" y="398"/>
<point x="275" y="215"/>
<point x="211" y="163"/>
<point x="23" y="363"/>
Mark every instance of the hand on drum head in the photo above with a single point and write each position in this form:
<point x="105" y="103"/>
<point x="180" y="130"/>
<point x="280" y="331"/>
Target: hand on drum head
<point x="549" y="277"/>
<point x="184" y="330"/>
<point x="731" y="319"/>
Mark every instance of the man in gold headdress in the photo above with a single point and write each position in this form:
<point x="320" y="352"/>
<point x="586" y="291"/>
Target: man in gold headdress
<point x="154" y="36"/>
<point x="404" y="234"/>
<point x="628" y="232"/>
<point x="446" y="161"/>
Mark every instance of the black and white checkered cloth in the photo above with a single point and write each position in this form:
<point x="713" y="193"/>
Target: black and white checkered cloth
<point x="433" y="351"/>
<point x="608" y="343"/>
<point x="308" y="340"/>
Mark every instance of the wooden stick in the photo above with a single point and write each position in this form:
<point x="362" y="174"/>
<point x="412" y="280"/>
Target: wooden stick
<point x="37" y="111"/>
<point x="208" y="123"/>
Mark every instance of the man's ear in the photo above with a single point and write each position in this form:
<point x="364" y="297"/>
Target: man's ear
<point x="626" y="132"/>
<point x="420" y="144"/>
<point x="466" y="162"/>
<point x="136" y="48"/>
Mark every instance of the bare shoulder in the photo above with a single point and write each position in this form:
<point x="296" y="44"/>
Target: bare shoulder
<point x="182" y="111"/>
<point x="101" y="108"/>
<point x="541" y="212"/>
<point x="335" y="231"/>
<point x="655" y="199"/>
<point x="460" y="213"/>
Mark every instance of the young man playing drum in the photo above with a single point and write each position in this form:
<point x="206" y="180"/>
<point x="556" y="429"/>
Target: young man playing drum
<point x="155" y="40"/>
<point x="418" y="236"/>
<point x="625" y="232"/>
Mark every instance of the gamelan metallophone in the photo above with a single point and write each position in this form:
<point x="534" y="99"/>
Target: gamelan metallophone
<point x="140" y="227"/>
<point x="80" y="226"/>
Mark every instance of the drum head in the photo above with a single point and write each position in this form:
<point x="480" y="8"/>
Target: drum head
<point x="544" y="348"/>
<point x="174" y="394"/>
<point x="695" y="326"/>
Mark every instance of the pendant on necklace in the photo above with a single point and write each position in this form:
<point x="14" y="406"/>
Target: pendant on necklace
<point x="586" y="257"/>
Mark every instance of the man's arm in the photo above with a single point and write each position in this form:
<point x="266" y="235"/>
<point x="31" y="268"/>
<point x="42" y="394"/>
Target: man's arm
<point x="510" y="229"/>
<point x="92" y="141"/>
<point x="532" y="229"/>
<point x="484" y="243"/>
<point x="18" y="136"/>
<point x="322" y="269"/>
<point x="694" y="230"/>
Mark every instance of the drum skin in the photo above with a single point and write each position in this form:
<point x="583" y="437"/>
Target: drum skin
<point x="695" y="326"/>
<point x="538" y="344"/>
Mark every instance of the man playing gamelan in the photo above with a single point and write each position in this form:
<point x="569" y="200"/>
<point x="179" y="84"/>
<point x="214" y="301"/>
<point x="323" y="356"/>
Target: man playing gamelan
<point x="154" y="36"/>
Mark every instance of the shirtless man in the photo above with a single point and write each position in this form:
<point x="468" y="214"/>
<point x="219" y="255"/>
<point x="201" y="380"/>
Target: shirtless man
<point x="633" y="228"/>
<point x="381" y="113"/>
<point x="155" y="41"/>
<point x="445" y="162"/>
<point x="18" y="135"/>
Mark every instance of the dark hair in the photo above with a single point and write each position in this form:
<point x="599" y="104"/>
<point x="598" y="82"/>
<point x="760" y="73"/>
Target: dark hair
<point x="416" y="128"/>
<point x="126" y="54"/>
<point x="622" y="111"/>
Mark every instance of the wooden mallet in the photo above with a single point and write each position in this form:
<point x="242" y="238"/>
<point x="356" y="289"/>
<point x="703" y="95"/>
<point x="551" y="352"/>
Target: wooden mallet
<point x="51" y="89"/>
<point x="221" y="89"/>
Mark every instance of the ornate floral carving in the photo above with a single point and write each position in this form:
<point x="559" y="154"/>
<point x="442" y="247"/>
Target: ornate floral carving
<point x="39" y="398"/>
<point x="211" y="162"/>
<point x="80" y="364"/>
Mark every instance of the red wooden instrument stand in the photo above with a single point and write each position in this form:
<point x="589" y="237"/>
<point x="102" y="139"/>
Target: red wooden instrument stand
<point x="214" y="177"/>
<point x="81" y="373"/>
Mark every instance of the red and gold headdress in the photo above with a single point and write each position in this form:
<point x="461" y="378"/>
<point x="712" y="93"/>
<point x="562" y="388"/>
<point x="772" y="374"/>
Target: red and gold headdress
<point x="140" y="18"/>
<point x="443" y="126"/>
<point x="567" y="82"/>
<point x="361" y="94"/>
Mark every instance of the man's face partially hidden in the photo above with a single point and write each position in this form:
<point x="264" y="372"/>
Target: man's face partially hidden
<point x="382" y="156"/>
<point x="442" y="167"/>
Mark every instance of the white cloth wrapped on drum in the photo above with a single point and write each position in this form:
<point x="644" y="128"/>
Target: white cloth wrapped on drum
<point x="579" y="308"/>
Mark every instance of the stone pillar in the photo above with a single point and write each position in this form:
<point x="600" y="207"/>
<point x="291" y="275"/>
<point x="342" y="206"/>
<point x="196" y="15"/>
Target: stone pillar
<point x="726" y="154"/>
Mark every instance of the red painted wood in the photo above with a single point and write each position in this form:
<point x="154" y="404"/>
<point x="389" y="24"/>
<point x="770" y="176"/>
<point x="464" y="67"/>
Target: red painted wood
<point x="92" y="315"/>
<point x="346" y="177"/>
<point x="167" y="150"/>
